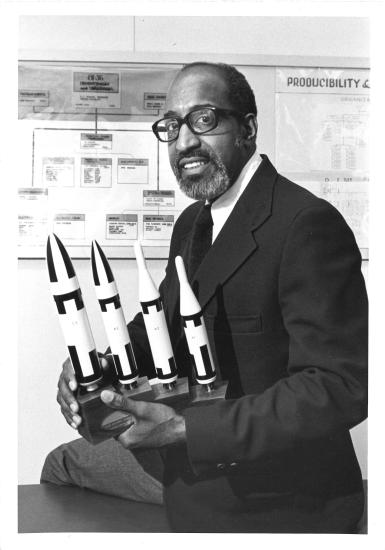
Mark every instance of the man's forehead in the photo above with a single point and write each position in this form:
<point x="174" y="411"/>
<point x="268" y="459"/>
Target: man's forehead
<point x="196" y="86"/>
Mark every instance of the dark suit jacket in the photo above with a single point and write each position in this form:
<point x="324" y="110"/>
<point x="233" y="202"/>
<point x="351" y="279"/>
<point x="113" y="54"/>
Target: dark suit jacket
<point x="286" y="311"/>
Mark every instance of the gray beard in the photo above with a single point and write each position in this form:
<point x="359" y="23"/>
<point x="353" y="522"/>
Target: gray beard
<point x="205" y="187"/>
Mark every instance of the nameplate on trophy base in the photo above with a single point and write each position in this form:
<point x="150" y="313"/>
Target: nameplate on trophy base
<point x="201" y="396"/>
<point x="101" y="422"/>
<point x="174" y="396"/>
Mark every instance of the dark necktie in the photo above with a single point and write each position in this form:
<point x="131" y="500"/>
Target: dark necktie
<point x="201" y="239"/>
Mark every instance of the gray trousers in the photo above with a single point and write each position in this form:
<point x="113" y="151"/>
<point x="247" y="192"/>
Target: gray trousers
<point x="107" y="468"/>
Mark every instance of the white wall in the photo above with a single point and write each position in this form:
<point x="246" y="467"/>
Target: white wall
<point x="41" y="347"/>
<point x="118" y="38"/>
<point x="311" y="36"/>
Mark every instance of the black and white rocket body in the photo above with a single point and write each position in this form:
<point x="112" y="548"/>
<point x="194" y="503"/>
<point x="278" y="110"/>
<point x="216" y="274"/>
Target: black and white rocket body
<point x="72" y="315"/>
<point x="155" y="323"/>
<point x="195" y="329"/>
<point x="113" y="317"/>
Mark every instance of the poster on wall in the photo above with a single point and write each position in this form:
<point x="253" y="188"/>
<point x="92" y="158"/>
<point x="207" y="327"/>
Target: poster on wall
<point x="64" y="91"/>
<point x="85" y="129"/>
<point x="322" y="138"/>
<point x="105" y="185"/>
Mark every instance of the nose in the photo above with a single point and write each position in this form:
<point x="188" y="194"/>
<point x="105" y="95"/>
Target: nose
<point x="186" y="139"/>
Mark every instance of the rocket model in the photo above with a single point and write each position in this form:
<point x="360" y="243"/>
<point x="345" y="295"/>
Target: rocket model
<point x="113" y="318"/>
<point x="73" y="316"/>
<point x="155" y="322"/>
<point x="195" y="330"/>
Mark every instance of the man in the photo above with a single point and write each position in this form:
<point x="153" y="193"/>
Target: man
<point x="285" y="307"/>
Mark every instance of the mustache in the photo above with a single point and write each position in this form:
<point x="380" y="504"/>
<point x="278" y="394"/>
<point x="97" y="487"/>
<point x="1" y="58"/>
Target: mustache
<point x="190" y="156"/>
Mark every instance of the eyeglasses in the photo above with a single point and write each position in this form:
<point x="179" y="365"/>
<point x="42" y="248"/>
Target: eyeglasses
<point x="199" y="121"/>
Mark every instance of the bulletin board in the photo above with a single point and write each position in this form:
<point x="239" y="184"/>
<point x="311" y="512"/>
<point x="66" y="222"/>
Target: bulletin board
<point x="91" y="167"/>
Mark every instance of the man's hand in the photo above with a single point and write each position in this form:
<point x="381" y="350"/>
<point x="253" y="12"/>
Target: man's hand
<point x="153" y="424"/>
<point x="67" y="385"/>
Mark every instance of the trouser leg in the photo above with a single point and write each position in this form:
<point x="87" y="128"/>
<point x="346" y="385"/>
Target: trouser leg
<point x="107" y="468"/>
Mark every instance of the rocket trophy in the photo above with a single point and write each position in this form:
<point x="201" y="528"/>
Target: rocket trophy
<point x="99" y="422"/>
<point x="116" y="328"/>
<point x="169" y="388"/>
<point x="207" y="388"/>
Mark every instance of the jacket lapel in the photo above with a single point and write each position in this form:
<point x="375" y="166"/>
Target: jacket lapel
<point x="236" y="241"/>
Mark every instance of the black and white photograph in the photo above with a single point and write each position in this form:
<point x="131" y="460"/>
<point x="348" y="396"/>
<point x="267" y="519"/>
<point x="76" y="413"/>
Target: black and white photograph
<point x="192" y="199"/>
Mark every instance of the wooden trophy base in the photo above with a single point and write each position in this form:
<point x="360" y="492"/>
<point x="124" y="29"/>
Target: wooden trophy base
<point x="177" y="397"/>
<point x="101" y="422"/>
<point x="201" y="396"/>
<point x="143" y="391"/>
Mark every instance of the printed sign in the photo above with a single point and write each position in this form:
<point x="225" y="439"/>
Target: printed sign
<point x="32" y="193"/>
<point x="322" y="81"/>
<point x="70" y="226"/>
<point x="58" y="171"/>
<point x="33" y="215"/>
<point x="154" y="101"/>
<point x="133" y="170"/>
<point x="34" y="98"/>
<point x="157" y="227"/>
<point x="96" y="141"/>
<point x="96" y="172"/>
<point x="32" y="228"/>
<point x="122" y="226"/>
<point x="158" y="198"/>
<point x="94" y="90"/>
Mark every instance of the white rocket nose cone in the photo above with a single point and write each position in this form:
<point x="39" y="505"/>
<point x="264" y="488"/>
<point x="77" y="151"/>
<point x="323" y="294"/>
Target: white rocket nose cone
<point x="147" y="289"/>
<point x="101" y="270"/>
<point x="60" y="267"/>
<point x="189" y="304"/>
<point x="181" y="270"/>
<point x="139" y="254"/>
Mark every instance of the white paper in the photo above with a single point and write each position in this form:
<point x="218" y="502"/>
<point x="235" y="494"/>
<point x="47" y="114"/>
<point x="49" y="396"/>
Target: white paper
<point x="95" y="142"/>
<point x="58" y="171"/>
<point x="158" y="198"/>
<point x="122" y="226"/>
<point x="157" y="227"/>
<point x="69" y="226"/>
<point x="96" y="172"/>
<point x="133" y="170"/>
<point x="34" y="98"/>
<point x="322" y="137"/>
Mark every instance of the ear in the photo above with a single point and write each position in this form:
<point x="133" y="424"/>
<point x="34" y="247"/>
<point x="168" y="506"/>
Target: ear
<point x="251" y="126"/>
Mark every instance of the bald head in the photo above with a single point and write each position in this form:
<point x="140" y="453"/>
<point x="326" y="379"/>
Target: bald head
<point x="239" y="93"/>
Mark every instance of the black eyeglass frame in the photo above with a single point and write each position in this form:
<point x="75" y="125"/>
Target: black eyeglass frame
<point x="185" y="120"/>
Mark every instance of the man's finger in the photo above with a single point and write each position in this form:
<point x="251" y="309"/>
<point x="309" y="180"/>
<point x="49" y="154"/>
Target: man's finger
<point x="69" y="375"/>
<point x="73" y="420"/>
<point x="103" y="362"/>
<point x="117" y="401"/>
<point x="64" y="394"/>
<point x="70" y="379"/>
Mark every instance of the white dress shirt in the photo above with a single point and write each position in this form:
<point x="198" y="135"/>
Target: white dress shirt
<point x="223" y="205"/>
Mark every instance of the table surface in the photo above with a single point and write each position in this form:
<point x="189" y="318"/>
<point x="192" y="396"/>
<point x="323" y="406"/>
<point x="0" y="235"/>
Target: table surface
<point x="56" y="509"/>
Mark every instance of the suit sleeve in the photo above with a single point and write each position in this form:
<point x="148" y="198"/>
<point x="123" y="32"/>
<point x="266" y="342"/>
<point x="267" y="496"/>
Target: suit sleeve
<point x="324" y="308"/>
